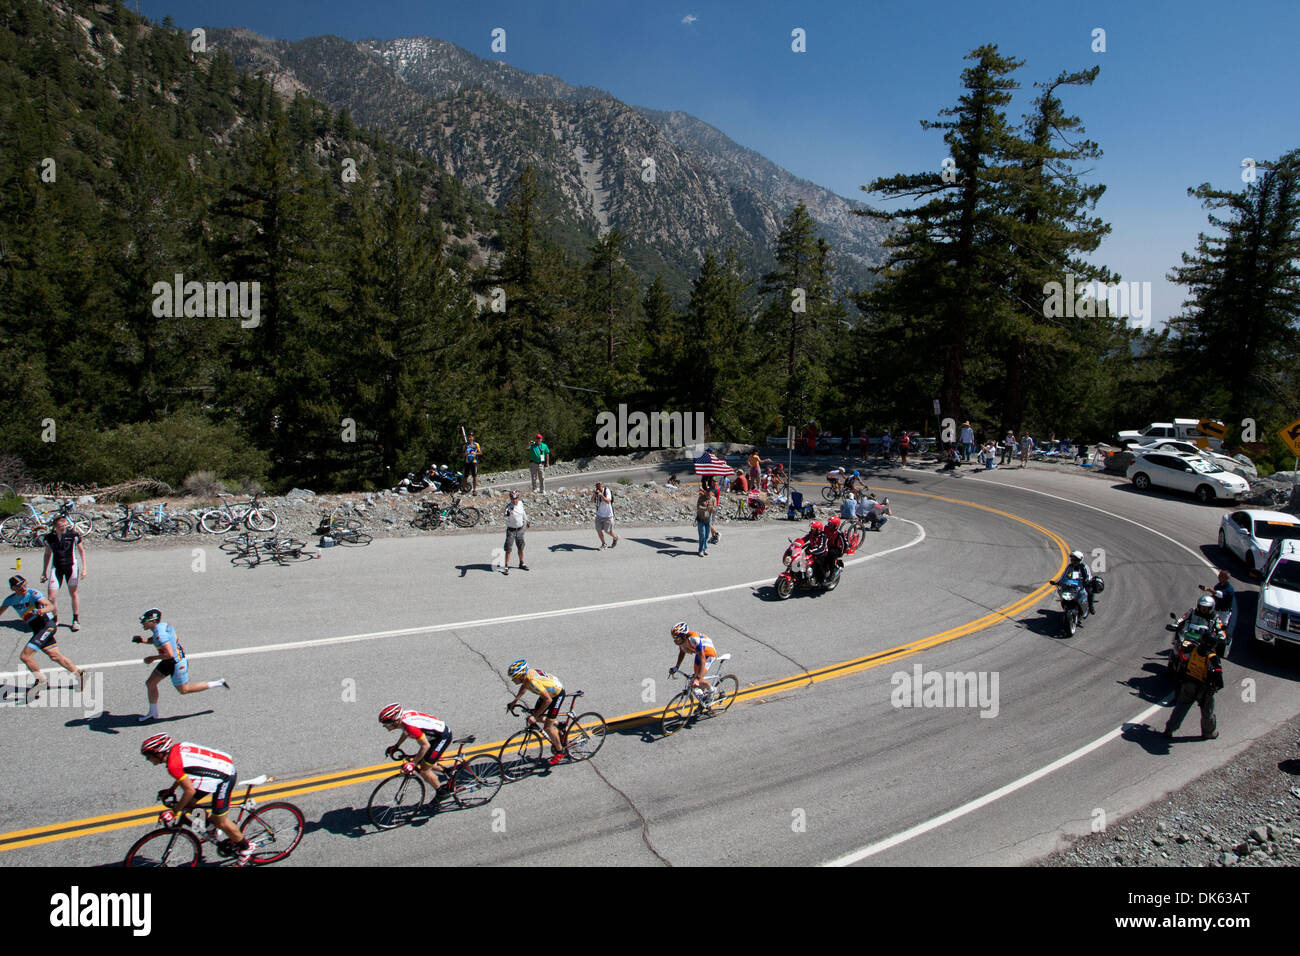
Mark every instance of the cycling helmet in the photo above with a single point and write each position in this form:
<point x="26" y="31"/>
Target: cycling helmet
<point x="17" y="581"/>
<point x="1205" y="606"/>
<point x="157" y="744"/>
<point x="1076" y="557"/>
<point x="680" y="629"/>
<point x="815" y="526"/>
<point x="151" y="616"/>
<point x="517" y="670"/>
<point x="390" y="713"/>
<point x="857" y="474"/>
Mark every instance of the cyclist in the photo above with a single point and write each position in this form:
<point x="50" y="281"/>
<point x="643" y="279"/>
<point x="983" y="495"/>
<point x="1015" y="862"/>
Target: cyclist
<point x="834" y="476"/>
<point x="171" y="662"/>
<point x="64" y="545"/>
<point x="432" y="735"/>
<point x="199" y="770"/>
<point x="550" y="694"/>
<point x="705" y="654"/>
<point x="34" y="608"/>
<point x="851" y="482"/>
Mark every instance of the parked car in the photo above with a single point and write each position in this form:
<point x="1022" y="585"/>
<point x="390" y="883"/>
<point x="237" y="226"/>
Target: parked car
<point x="1245" y="468"/>
<point x="1278" y="619"/>
<point x="1250" y="534"/>
<point x="1183" y="429"/>
<point x="1190" y="473"/>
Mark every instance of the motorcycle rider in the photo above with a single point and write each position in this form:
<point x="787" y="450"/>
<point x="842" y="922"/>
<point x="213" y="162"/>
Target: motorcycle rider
<point x="1078" y="567"/>
<point x="1204" y="613"/>
<point x="815" y="546"/>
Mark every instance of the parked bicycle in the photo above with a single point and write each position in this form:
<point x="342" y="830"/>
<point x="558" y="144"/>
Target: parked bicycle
<point x="431" y="515"/>
<point x="343" y="526"/>
<point x="134" y="525"/>
<point x="24" y="530"/>
<point x="580" y="736"/>
<point x="474" y="781"/>
<point x="83" y="523"/>
<point x="250" y="514"/>
<point x="718" y="694"/>
<point x="274" y="830"/>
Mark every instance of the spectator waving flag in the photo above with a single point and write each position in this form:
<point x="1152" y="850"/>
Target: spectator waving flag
<point x="711" y="464"/>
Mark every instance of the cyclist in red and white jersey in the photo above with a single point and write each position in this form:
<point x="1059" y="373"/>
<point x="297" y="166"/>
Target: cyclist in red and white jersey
<point x="431" y="734"/>
<point x="198" y="770"/>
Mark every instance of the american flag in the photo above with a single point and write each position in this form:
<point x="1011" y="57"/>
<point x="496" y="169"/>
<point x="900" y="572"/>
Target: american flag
<point x="711" y="464"/>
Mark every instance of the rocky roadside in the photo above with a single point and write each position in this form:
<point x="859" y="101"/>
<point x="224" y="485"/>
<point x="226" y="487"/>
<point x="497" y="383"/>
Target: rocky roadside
<point x="1245" y="813"/>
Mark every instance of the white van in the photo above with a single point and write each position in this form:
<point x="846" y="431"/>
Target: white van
<point x="1278" y="619"/>
<point x="1182" y="429"/>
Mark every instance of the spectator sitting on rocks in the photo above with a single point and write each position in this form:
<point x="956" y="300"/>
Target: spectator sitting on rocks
<point x="672" y="483"/>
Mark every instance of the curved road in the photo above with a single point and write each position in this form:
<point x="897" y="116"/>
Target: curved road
<point x="814" y="771"/>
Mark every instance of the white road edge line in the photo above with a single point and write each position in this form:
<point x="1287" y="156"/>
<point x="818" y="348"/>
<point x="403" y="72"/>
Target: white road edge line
<point x="858" y="855"/>
<point x="874" y="848"/>
<point x="1109" y="514"/>
<point x="489" y="621"/>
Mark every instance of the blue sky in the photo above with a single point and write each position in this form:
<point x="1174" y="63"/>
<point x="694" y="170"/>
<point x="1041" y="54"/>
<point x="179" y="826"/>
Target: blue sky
<point x="1187" y="90"/>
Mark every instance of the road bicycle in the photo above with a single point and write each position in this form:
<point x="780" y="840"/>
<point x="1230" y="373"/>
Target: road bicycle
<point x="431" y="515"/>
<point x="134" y="525"/>
<point x="83" y="523"/>
<point x="343" y="527"/>
<point x="581" y="736"/>
<point x="715" y="697"/>
<point x="250" y="514"/>
<point x="274" y="830"/>
<point x="23" y="530"/>
<point x="474" y="781"/>
<point x="250" y="551"/>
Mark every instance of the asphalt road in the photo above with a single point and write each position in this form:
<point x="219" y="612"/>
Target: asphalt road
<point x="818" y="771"/>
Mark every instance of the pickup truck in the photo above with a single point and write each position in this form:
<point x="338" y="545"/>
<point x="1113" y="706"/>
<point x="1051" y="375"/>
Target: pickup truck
<point x="1183" y="429"/>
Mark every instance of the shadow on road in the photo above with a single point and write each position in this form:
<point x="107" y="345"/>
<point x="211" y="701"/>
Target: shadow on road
<point x="466" y="568"/>
<point x="110" y="723"/>
<point x="1148" y="738"/>
<point x="570" y="546"/>
<point x="1152" y="685"/>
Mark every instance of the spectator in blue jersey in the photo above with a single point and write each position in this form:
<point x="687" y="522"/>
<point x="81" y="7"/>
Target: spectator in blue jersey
<point x="472" y="454"/>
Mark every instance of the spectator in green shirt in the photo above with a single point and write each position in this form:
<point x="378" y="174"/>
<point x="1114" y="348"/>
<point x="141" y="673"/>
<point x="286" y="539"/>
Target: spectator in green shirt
<point x="539" y="456"/>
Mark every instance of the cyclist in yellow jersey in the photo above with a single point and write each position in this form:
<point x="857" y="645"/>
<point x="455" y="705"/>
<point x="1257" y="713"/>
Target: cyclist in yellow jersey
<point x="550" y="694"/>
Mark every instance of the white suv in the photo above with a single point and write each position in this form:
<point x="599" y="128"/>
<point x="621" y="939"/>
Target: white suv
<point x="1278" y="620"/>
<point x="1190" y="473"/>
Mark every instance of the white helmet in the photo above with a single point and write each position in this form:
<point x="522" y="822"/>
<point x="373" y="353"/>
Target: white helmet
<point x="1076" y="557"/>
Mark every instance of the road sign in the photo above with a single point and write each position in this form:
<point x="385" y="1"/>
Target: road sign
<point x="1207" y="426"/>
<point x="1291" y="435"/>
<point x="789" y="436"/>
<point x="936" y="408"/>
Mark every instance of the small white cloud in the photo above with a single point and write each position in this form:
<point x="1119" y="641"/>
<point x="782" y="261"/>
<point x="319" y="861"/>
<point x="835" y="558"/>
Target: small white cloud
<point x="689" y="19"/>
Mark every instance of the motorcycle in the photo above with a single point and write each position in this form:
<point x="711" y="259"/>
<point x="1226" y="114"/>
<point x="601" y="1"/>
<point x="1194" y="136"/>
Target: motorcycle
<point x="799" y="571"/>
<point x="411" y="483"/>
<point x="1072" y="594"/>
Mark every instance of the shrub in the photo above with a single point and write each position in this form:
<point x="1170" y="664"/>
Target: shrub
<point x="203" y="484"/>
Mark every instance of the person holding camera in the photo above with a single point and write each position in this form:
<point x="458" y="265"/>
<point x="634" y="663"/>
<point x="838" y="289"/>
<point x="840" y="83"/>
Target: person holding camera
<point x="604" y="499"/>
<point x="516" y="522"/>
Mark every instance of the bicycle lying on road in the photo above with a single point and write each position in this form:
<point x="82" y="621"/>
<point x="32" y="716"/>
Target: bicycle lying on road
<point x="432" y="515"/>
<point x="250" y="551"/>
<point x="474" y="781"/>
<point x="274" y="830"/>
<point x="580" y="736"/>
<point x="718" y="693"/>
<point x="343" y="526"/>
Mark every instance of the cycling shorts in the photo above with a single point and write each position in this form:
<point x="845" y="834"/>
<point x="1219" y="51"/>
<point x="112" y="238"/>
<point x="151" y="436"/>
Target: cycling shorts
<point x="554" y="710"/>
<point x="59" y="576"/>
<point x="438" y="744"/>
<point x="43" y="639"/>
<point x="220" y="786"/>
<point x="177" y="670"/>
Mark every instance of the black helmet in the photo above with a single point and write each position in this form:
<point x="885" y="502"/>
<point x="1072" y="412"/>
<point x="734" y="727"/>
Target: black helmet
<point x="151" y="616"/>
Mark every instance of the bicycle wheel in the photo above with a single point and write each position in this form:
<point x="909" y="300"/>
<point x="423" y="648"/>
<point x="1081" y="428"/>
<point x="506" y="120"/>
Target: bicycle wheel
<point x="427" y="521"/>
<point x="353" y="538"/>
<point x="829" y="494"/>
<point x="855" y="538"/>
<point x="275" y="830"/>
<point x="466" y="517"/>
<point x="521" y="754"/>
<point x="234" y="545"/>
<point x="724" y="694"/>
<point x="261" y="519"/>
<point x="215" y="522"/>
<point x="477" y="781"/>
<point x="679" y="710"/>
<point x="83" y="523"/>
<point x="12" y="528"/>
<point x="126" y="529"/>
<point x="178" y="524"/>
<point x="396" y="800"/>
<point x="164" y="848"/>
<point x="584" y="736"/>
